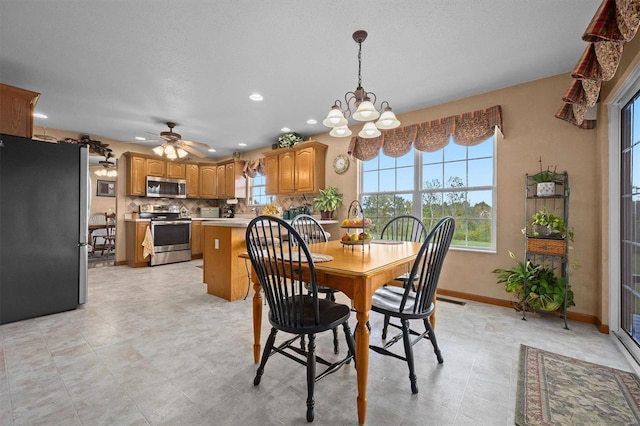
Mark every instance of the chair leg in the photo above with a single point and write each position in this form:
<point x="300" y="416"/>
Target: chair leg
<point x="385" y="326"/>
<point x="351" y="343"/>
<point x="408" y="350"/>
<point x="302" y="343"/>
<point x="432" y="337"/>
<point x="265" y="355"/>
<point x="311" y="376"/>
<point x="336" y="349"/>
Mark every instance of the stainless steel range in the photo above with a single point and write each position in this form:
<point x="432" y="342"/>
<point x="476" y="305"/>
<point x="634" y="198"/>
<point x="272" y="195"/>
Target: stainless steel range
<point x="171" y="234"/>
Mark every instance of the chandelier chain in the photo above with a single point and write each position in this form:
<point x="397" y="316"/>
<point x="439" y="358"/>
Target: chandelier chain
<point x="359" y="64"/>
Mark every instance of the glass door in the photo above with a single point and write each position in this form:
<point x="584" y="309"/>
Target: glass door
<point x="629" y="308"/>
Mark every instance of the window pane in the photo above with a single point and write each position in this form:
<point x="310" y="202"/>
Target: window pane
<point x="484" y="149"/>
<point x="370" y="181"/>
<point x="453" y="151"/>
<point x="405" y="179"/>
<point x="481" y="172"/>
<point x="455" y="174"/>
<point x="432" y="176"/>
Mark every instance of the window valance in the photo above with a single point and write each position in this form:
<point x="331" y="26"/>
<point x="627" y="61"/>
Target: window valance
<point x="466" y="129"/>
<point x="253" y="167"/>
<point x="614" y="23"/>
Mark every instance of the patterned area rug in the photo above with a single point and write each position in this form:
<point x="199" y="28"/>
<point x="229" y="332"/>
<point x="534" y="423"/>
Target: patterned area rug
<point x="558" y="390"/>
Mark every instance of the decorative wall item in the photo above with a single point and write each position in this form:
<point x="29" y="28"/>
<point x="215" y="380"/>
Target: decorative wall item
<point x="106" y="188"/>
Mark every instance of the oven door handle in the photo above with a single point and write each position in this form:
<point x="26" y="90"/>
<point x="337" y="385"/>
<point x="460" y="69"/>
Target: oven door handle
<point x="171" y="222"/>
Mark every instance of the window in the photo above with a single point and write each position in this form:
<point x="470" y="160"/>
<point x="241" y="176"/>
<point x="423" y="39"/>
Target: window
<point x="454" y="181"/>
<point x="256" y="191"/>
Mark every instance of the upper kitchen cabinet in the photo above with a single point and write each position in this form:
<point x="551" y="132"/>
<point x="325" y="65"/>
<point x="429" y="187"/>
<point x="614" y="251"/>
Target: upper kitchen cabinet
<point x="16" y="109"/>
<point x="156" y="167"/>
<point x="208" y="181"/>
<point x="192" y="174"/>
<point x="176" y="170"/>
<point x="297" y="170"/>
<point x="271" y="174"/>
<point x="136" y="174"/>
<point x="231" y="180"/>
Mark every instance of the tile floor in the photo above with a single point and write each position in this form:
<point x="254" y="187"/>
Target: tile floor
<point x="151" y="347"/>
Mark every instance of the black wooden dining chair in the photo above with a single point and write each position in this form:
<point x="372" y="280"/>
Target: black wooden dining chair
<point x="408" y="304"/>
<point x="312" y="232"/>
<point x="283" y="269"/>
<point x="403" y="228"/>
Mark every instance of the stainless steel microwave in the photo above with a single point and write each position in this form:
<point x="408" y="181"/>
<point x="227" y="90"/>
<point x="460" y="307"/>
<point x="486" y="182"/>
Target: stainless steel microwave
<point x="166" y="187"/>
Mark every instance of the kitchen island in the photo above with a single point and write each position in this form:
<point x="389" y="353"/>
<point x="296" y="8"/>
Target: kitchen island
<point x="225" y="273"/>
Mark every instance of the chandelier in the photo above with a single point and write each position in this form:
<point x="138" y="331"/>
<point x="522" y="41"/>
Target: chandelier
<point x="365" y="109"/>
<point x="108" y="169"/>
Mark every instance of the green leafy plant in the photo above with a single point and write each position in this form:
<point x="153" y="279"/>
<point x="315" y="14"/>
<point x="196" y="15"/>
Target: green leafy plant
<point x="547" y="175"/>
<point x="287" y="140"/>
<point x="535" y="285"/>
<point x="543" y="222"/>
<point x="328" y="201"/>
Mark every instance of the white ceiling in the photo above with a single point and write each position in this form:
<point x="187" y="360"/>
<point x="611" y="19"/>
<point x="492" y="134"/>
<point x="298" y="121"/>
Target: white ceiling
<point x="120" y="69"/>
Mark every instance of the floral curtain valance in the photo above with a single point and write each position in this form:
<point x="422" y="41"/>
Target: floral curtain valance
<point x="253" y="167"/>
<point x="614" y="23"/>
<point x="466" y="129"/>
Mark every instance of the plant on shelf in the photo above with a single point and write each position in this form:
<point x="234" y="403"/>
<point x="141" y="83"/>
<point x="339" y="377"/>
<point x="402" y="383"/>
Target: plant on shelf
<point x="545" y="223"/>
<point x="546" y="181"/>
<point x="328" y="201"/>
<point x="535" y="285"/>
<point x="287" y="140"/>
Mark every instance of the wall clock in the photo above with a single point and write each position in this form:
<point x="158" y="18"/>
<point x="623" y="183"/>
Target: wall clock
<point x="341" y="164"/>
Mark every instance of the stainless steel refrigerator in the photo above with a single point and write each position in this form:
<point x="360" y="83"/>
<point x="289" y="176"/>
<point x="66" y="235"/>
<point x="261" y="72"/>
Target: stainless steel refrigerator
<point x="43" y="227"/>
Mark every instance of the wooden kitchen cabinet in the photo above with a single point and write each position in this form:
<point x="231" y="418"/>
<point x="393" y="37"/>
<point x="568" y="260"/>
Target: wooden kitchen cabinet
<point x="16" y="109"/>
<point x="196" y="239"/>
<point x="136" y="175"/>
<point x="221" y="179"/>
<point x="135" y="236"/>
<point x="300" y="169"/>
<point x="176" y="170"/>
<point x="271" y="174"/>
<point x="192" y="175"/>
<point x="208" y="181"/>
<point x="155" y="167"/>
<point x="231" y="180"/>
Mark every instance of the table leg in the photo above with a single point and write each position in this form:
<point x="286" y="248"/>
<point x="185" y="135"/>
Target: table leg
<point x="432" y="318"/>
<point x="362" y="363"/>
<point x="257" y="320"/>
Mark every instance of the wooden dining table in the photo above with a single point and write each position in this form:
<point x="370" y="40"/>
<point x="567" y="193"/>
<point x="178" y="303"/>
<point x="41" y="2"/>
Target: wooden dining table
<point x="357" y="271"/>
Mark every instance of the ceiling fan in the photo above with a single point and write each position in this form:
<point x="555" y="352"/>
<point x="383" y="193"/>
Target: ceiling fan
<point x="176" y="147"/>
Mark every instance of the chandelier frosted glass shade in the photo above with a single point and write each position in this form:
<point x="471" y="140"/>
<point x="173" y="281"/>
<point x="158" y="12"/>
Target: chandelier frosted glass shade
<point x="340" y="132"/>
<point x="335" y="118"/>
<point x="387" y="120"/>
<point x="366" y="112"/>
<point x="360" y="105"/>
<point x="369" y="131"/>
<point x="170" y="151"/>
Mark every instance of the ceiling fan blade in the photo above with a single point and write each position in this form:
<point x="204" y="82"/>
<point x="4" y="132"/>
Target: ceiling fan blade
<point x="199" y="144"/>
<point x="193" y="151"/>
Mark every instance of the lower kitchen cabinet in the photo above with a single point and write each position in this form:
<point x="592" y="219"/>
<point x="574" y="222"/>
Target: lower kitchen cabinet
<point x="224" y="272"/>
<point x="135" y="236"/>
<point x="196" y="239"/>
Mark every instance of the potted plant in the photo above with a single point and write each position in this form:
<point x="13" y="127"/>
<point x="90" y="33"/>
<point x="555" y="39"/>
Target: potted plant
<point x="328" y="201"/>
<point x="543" y="223"/>
<point x="535" y="286"/>
<point x="546" y="181"/>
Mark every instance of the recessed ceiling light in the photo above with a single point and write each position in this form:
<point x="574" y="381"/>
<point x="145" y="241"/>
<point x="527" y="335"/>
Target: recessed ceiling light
<point x="39" y="115"/>
<point x="256" y="97"/>
<point x="242" y="144"/>
<point x="311" y="121"/>
<point x="211" y="150"/>
<point x="140" y="138"/>
<point x="285" y="129"/>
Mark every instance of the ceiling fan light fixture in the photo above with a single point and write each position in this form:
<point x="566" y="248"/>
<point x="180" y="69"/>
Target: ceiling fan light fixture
<point x="159" y="150"/>
<point x="170" y="150"/>
<point x="181" y="153"/>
